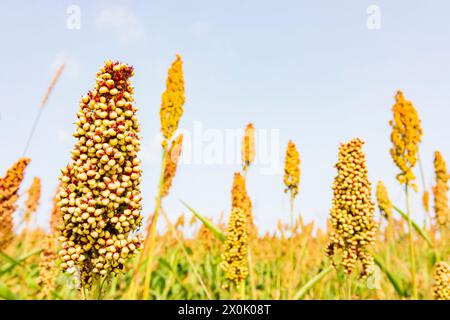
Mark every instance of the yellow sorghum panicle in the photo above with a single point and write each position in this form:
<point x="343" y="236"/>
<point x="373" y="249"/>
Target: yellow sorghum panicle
<point x="384" y="202"/>
<point x="406" y="136"/>
<point x="9" y="187"/>
<point x="180" y="221"/>
<point x="234" y="257"/>
<point x="47" y="268"/>
<point x="441" y="286"/>
<point x="171" y="162"/>
<point x="440" y="190"/>
<point x="100" y="198"/>
<point x="172" y="101"/>
<point x="47" y="265"/>
<point x="426" y="201"/>
<point x="240" y="198"/>
<point x="206" y="237"/>
<point x="32" y="202"/>
<point x="55" y="214"/>
<point x="248" y="146"/>
<point x="292" y="169"/>
<point x="193" y="221"/>
<point x="352" y="212"/>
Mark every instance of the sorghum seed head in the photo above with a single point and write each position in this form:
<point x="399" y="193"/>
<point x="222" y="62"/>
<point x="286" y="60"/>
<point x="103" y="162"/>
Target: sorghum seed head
<point x="172" y="101"/>
<point x="248" y="146"/>
<point x="34" y="195"/>
<point x="352" y="212"/>
<point x="441" y="287"/>
<point x="102" y="181"/>
<point x="9" y="187"/>
<point x="47" y="268"/>
<point x="384" y="202"/>
<point x="234" y="256"/>
<point x="292" y="169"/>
<point x="440" y="190"/>
<point x="406" y="136"/>
<point x="426" y="201"/>
<point x="239" y="197"/>
<point x="171" y="163"/>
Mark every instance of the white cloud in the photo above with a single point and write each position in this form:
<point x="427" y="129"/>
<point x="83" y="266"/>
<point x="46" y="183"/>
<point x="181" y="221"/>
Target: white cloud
<point x="123" y="22"/>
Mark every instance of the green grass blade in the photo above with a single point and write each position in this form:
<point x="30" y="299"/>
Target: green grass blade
<point x="395" y="283"/>
<point x="419" y="230"/>
<point x="15" y="262"/>
<point x="311" y="283"/>
<point x="7" y="257"/>
<point x="7" y="294"/>
<point x="207" y="223"/>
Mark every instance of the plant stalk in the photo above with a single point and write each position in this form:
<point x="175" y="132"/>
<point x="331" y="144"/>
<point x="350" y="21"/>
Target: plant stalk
<point x="411" y="245"/>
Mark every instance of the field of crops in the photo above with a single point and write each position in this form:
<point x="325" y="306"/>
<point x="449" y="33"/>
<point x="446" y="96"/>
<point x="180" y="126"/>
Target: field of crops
<point x="98" y="246"/>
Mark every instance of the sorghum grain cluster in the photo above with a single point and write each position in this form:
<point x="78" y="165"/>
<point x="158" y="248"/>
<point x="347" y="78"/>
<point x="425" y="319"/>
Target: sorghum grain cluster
<point x="352" y="212"/>
<point x="100" y="198"/>
<point x="48" y="269"/>
<point x="441" y="286"/>
<point x="9" y="187"/>
<point x="292" y="169"/>
<point x="34" y="195"/>
<point x="440" y="190"/>
<point x="406" y="136"/>
<point x="248" y="146"/>
<point x="235" y="248"/>
<point x="172" y="101"/>
<point x="171" y="163"/>
<point x="384" y="202"/>
<point x="239" y="197"/>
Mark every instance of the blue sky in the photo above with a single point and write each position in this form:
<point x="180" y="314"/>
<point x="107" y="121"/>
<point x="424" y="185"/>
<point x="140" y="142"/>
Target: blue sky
<point x="310" y="71"/>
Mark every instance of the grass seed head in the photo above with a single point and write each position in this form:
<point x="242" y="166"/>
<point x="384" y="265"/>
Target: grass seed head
<point x="172" y="101"/>
<point x="9" y="187"/>
<point x="440" y="190"/>
<point x="34" y="195"/>
<point x="352" y="212"/>
<point x="426" y="201"/>
<point x="47" y="268"/>
<point x="239" y="197"/>
<point x="384" y="202"/>
<point x="441" y="286"/>
<point x="171" y="163"/>
<point x="248" y="146"/>
<point x="99" y="197"/>
<point x="406" y="136"/>
<point x="292" y="169"/>
<point x="235" y="247"/>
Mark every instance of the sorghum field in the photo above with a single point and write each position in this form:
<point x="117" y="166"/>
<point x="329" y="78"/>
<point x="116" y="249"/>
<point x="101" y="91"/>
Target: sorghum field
<point x="99" y="246"/>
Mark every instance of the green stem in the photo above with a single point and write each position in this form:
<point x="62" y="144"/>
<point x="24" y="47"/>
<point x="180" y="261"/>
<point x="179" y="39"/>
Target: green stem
<point x="349" y="287"/>
<point x="411" y="245"/>
<point x="392" y="279"/>
<point x="152" y="235"/>
<point x="242" y="290"/>
<point x="311" y="283"/>
<point x="291" y="249"/>
<point x="291" y="203"/>
<point x="99" y="294"/>
<point x="422" y="175"/>
<point x="183" y="249"/>
<point x="418" y="229"/>
<point x="252" y="275"/>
